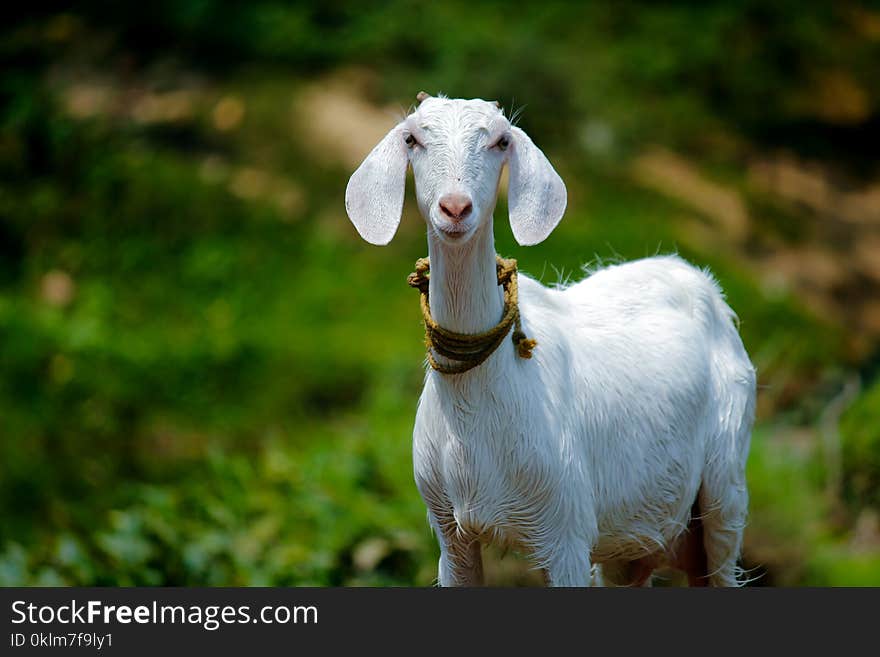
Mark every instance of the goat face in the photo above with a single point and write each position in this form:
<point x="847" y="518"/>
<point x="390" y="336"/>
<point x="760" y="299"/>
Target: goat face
<point x="457" y="149"/>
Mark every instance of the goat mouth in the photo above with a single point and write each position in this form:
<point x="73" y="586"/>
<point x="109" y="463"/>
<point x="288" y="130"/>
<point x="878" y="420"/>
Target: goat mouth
<point x="455" y="231"/>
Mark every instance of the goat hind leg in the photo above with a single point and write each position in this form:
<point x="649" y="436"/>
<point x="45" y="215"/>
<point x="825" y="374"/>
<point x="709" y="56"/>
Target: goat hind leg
<point x="622" y="572"/>
<point x="723" y="518"/>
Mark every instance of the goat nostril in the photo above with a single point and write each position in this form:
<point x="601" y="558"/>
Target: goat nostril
<point x="456" y="206"/>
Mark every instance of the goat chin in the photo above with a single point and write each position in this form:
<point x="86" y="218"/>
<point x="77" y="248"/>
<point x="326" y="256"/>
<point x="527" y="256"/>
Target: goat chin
<point x="632" y="416"/>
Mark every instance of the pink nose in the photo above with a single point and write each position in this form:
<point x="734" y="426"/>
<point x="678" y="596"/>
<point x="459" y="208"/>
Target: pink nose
<point x="456" y="206"/>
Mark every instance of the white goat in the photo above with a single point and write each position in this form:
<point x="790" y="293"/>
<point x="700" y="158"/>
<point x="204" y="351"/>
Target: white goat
<point x="622" y="442"/>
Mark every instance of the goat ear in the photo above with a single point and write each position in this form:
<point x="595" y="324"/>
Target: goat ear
<point x="374" y="196"/>
<point x="536" y="195"/>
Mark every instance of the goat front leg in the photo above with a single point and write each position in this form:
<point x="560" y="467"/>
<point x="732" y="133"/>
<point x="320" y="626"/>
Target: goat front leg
<point x="461" y="559"/>
<point x="461" y="563"/>
<point x="569" y="565"/>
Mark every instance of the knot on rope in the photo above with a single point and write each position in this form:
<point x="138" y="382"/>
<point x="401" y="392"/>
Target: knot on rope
<point x="419" y="278"/>
<point x="523" y="344"/>
<point x="470" y="350"/>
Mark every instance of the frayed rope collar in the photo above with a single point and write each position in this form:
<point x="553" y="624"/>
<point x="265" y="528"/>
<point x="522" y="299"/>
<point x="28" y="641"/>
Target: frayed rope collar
<point x="470" y="350"/>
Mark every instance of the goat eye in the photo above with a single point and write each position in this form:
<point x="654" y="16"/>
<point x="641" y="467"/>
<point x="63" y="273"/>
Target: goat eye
<point x="410" y="140"/>
<point x="503" y="143"/>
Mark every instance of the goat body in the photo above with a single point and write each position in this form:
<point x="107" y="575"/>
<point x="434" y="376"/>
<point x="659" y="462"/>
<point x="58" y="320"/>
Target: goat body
<point x="634" y="411"/>
<point x="638" y="397"/>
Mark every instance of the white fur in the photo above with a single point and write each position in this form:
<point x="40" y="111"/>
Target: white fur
<point x="639" y="398"/>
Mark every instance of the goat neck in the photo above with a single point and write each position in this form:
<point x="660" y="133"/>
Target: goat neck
<point x="463" y="290"/>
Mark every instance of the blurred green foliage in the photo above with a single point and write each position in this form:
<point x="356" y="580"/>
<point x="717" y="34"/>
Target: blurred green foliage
<point x="861" y="449"/>
<point x="203" y="384"/>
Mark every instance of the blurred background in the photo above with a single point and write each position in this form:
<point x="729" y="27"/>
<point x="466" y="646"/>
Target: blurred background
<point x="206" y="378"/>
